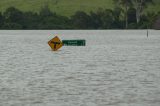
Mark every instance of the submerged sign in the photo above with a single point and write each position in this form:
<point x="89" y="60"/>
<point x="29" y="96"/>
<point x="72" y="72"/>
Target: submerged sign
<point x="55" y="43"/>
<point x="74" y="42"/>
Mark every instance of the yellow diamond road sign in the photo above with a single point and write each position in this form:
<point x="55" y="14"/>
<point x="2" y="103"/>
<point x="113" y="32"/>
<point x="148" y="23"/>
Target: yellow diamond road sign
<point x="55" y="43"/>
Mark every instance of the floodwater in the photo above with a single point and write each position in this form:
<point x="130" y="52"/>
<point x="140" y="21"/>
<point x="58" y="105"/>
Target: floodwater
<point x="115" y="68"/>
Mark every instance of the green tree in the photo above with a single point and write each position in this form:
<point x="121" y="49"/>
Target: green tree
<point x="1" y="20"/>
<point x="45" y="12"/>
<point x="31" y="20"/>
<point x="117" y="15"/>
<point x="12" y="26"/>
<point x="151" y="17"/>
<point x="13" y="15"/>
<point x="132" y="18"/>
<point x="140" y="5"/>
<point x="147" y="20"/>
<point x="125" y="5"/>
<point x="50" y="20"/>
<point x="81" y="20"/>
<point x="55" y="22"/>
<point x="156" y="23"/>
<point x="107" y="19"/>
<point x="131" y="15"/>
<point x="95" y="20"/>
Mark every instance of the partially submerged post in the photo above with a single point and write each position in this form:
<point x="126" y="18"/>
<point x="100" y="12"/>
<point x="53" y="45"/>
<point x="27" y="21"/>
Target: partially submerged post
<point x="147" y="33"/>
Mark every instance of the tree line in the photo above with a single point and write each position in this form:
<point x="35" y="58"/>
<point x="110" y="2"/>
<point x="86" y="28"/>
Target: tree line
<point x="117" y="18"/>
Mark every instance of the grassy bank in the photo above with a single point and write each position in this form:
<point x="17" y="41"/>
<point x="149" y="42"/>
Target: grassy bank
<point x="64" y="7"/>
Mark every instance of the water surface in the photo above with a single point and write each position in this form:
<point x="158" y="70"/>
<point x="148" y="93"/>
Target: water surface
<point x="115" y="68"/>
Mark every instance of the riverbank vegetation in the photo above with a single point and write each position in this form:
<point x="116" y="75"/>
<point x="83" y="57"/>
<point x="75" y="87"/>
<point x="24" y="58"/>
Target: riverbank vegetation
<point x="125" y="15"/>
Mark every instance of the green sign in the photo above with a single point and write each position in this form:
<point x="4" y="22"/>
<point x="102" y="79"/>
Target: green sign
<point x="74" y="42"/>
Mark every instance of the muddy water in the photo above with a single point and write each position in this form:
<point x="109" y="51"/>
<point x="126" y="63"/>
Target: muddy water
<point x="115" y="68"/>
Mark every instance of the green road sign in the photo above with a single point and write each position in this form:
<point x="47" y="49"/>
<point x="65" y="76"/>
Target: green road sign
<point x="74" y="42"/>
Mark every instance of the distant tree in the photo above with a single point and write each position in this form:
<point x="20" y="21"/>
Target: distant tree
<point x="47" y="18"/>
<point x="104" y="19"/>
<point x="107" y="19"/>
<point x="81" y="20"/>
<point x="117" y="11"/>
<point x="45" y="12"/>
<point x="151" y="17"/>
<point x="124" y="15"/>
<point x="131" y="15"/>
<point x="147" y="21"/>
<point x="140" y="5"/>
<point x="95" y="20"/>
<point x="50" y="20"/>
<point x="156" y="24"/>
<point x="1" y="19"/>
<point x="132" y="18"/>
<point x="117" y="15"/>
<point x="125" y="5"/>
<point x="31" y="20"/>
<point x="65" y="22"/>
<point x="55" y="22"/>
<point x="12" y="26"/>
<point x="13" y="15"/>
